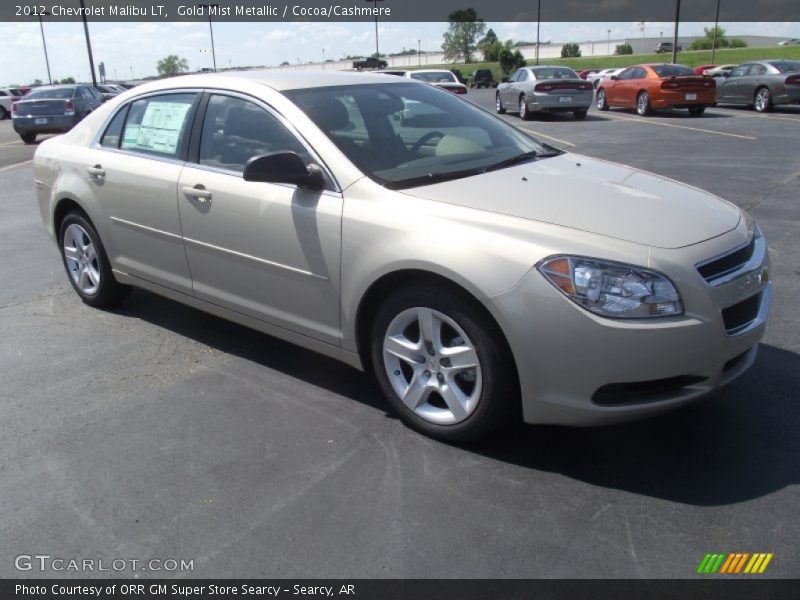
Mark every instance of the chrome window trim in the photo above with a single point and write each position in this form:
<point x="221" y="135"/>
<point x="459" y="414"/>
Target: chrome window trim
<point x="753" y="263"/>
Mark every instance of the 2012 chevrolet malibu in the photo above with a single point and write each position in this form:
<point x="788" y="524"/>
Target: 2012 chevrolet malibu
<point x="396" y="227"/>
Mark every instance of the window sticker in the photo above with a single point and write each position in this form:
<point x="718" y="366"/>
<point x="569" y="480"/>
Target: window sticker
<point x="160" y="129"/>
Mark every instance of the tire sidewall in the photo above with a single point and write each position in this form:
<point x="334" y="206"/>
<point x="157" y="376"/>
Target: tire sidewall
<point x="499" y="395"/>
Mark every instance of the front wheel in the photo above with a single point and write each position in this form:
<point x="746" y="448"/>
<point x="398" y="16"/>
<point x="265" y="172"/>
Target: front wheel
<point x="697" y="111"/>
<point x="440" y="362"/>
<point x="86" y="263"/>
<point x="643" y="104"/>
<point x="602" y="100"/>
<point x="498" y="104"/>
<point x="763" y="100"/>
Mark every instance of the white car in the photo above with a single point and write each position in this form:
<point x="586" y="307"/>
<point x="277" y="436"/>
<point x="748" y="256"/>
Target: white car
<point x="790" y="42"/>
<point x="6" y="98"/>
<point x="720" y="71"/>
<point x="595" y="78"/>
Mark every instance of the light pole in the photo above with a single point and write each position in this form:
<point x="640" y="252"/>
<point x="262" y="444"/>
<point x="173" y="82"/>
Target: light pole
<point x="675" y="33"/>
<point x="88" y="43"/>
<point x="538" y="22"/>
<point x="211" y="32"/>
<point x="641" y="26"/>
<point x="377" y="49"/>
<point x="131" y="68"/>
<point x="608" y="51"/>
<point x="714" y="42"/>
<point x="419" y="52"/>
<point x="323" y="59"/>
<point x="44" y="44"/>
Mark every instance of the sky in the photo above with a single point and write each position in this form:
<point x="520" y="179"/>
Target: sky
<point x="135" y="48"/>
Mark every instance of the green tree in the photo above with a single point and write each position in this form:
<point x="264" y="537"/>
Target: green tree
<point x="36" y="82"/>
<point x="69" y="79"/>
<point x="510" y="60"/>
<point x="623" y="49"/>
<point x="462" y="35"/>
<point x="490" y="46"/>
<point x="172" y="65"/>
<point x="737" y="43"/>
<point x="570" y="51"/>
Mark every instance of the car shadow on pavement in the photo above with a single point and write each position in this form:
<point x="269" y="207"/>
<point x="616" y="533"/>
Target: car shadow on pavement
<point x="740" y="443"/>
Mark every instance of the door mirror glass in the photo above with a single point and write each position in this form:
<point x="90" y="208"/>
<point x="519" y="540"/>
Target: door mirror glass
<point x="284" y="167"/>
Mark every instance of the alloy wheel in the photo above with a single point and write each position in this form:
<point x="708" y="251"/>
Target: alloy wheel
<point x="432" y="365"/>
<point x="81" y="258"/>
<point x="762" y="100"/>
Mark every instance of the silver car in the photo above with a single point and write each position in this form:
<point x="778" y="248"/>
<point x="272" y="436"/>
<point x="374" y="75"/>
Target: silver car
<point x="479" y="274"/>
<point x="763" y="84"/>
<point x="544" y="89"/>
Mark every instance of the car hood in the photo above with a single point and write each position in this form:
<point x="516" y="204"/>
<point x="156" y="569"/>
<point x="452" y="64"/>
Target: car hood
<point x="596" y="196"/>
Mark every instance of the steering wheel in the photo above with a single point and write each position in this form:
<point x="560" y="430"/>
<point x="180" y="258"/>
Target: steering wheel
<point x="425" y="138"/>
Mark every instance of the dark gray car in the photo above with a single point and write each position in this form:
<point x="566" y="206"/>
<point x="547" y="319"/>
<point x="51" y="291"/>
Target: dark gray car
<point x="53" y="109"/>
<point x="761" y="84"/>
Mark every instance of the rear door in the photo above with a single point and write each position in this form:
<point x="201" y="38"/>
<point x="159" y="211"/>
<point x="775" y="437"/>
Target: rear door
<point x="133" y="172"/>
<point x="269" y="251"/>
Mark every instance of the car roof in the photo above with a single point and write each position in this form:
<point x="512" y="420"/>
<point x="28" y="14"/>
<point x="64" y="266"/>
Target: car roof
<point x="280" y="80"/>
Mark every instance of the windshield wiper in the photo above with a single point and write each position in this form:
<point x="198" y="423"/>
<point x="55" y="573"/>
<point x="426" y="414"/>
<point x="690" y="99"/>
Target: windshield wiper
<point x="521" y="158"/>
<point x="431" y="178"/>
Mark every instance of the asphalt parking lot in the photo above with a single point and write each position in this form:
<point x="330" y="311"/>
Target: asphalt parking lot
<point x="159" y="431"/>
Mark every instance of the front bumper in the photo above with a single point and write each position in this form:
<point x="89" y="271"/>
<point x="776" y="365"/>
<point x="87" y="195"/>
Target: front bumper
<point x="577" y="368"/>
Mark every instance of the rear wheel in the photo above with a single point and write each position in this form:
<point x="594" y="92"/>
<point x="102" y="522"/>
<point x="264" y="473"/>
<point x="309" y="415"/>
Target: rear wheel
<point x="763" y="100"/>
<point x="602" y="100"/>
<point x="86" y="263"/>
<point x="3" y="113"/>
<point x="28" y="138"/>
<point x="524" y="114"/>
<point x="498" y="104"/>
<point x="696" y="111"/>
<point x="643" y="104"/>
<point x="439" y="360"/>
<point x="580" y="115"/>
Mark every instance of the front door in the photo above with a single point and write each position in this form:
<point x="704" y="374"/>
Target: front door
<point x="269" y="251"/>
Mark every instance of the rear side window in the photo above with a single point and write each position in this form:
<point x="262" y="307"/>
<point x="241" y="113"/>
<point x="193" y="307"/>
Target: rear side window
<point x="158" y="125"/>
<point x="113" y="132"/>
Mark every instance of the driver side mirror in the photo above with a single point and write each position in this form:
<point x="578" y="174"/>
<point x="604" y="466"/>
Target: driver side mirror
<point x="284" y="167"/>
<point x="614" y="78"/>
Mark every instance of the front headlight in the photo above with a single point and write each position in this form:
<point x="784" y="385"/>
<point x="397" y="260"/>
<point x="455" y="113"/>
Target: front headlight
<point x="612" y="289"/>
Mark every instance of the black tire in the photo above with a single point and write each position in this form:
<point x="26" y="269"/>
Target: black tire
<point x="697" y="111"/>
<point x="580" y="115"/>
<point x="28" y="138"/>
<point x="3" y="113"/>
<point x="109" y="291"/>
<point x="524" y="113"/>
<point x="763" y="105"/>
<point x="602" y="99"/>
<point x="498" y="105"/>
<point x="643" y="107"/>
<point x="499" y="399"/>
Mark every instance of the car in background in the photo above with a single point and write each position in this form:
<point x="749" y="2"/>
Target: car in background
<point x="596" y="77"/>
<point x="761" y="84"/>
<point x="482" y="78"/>
<point x="720" y="71"/>
<point x="790" y="42"/>
<point x="396" y="73"/>
<point x="663" y="47"/>
<point x="652" y="86"/>
<point x="481" y="275"/>
<point x="369" y="63"/>
<point x="108" y="91"/>
<point x="53" y="109"/>
<point x="6" y="98"/>
<point x="446" y="80"/>
<point x="586" y="72"/>
<point x="544" y="89"/>
<point x="701" y="70"/>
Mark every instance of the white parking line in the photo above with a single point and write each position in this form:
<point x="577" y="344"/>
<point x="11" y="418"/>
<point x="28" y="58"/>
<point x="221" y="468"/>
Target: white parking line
<point x="7" y="144"/>
<point x="544" y="135"/>
<point x="645" y="121"/>
<point x="735" y="113"/>
<point x="19" y="164"/>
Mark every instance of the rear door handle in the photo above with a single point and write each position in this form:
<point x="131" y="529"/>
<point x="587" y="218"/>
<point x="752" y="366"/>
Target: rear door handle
<point x="96" y="172"/>
<point x="198" y="192"/>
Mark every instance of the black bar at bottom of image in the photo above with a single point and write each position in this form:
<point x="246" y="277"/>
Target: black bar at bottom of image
<point x="400" y="589"/>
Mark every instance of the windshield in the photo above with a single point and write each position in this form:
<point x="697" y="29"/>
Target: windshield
<point x="671" y="70"/>
<point x="59" y="93"/>
<point x="555" y="73"/>
<point x="407" y="134"/>
<point x="434" y="76"/>
<point x="786" y="66"/>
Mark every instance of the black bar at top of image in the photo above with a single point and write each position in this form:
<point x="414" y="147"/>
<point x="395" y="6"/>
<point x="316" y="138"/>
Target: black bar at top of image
<point x="402" y="10"/>
<point x="718" y="588"/>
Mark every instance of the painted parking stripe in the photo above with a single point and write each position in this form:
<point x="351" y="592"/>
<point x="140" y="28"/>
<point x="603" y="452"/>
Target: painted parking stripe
<point x="15" y="165"/>
<point x="733" y="113"/>
<point x="662" y="124"/>
<point x="7" y="144"/>
<point x="544" y="135"/>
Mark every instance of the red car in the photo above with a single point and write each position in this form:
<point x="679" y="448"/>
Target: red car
<point x="701" y="70"/>
<point x="586" y="72"/>
<point x="648" y="87"/>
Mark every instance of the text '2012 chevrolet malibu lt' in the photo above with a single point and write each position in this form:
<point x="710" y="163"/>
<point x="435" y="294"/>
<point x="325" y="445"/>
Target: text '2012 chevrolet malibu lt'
<point x="396" y="227"/>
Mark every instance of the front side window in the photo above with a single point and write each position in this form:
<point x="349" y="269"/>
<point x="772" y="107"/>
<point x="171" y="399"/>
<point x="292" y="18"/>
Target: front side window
<point x="626" y="74"/>
<point x="236" y="130"/>
<point x="405" y="135"/>
<point x="740" y="71"/>
<point x="158" y="125"/>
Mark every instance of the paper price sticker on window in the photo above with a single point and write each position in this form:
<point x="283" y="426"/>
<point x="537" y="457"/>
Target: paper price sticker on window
<point x="161" y="127"/>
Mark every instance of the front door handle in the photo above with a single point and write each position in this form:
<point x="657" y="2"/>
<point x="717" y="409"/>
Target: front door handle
<point x="199" y="192"/>
<point x="96" y="172"/>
